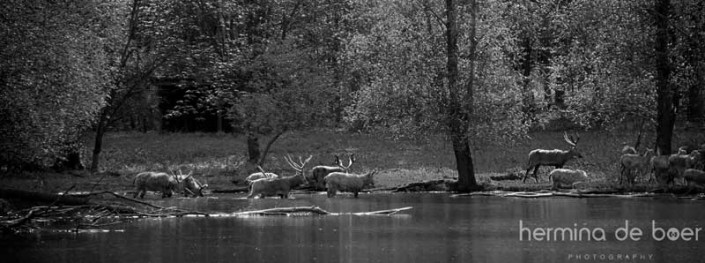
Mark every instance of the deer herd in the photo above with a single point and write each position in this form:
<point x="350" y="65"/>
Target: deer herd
<point x="331" y="178"/>
<point x="334" y="178"/>
<point x="684" y="167"/>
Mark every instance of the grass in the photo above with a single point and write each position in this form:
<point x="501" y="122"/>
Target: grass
<point x="219" y="158"/>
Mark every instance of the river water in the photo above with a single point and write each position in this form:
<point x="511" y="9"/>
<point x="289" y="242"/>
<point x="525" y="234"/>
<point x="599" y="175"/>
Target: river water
<point x="439" y="228"/>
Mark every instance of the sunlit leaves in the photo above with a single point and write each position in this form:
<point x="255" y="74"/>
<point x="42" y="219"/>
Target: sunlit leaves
<point x="53" y="77"/>
<point x="604" y="64"/>
<point x="403" y="59"/>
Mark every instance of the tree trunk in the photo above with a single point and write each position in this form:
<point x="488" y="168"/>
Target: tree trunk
<point x="696" y="95"/>
<point x="664" y="96"/>
<point x="559" y="98"/>
<point x="255" y="156"/>
<point x="253" y="148"/>
<point x="269" y="145"/>
<point x="219" y="120"/>
<point x="98" y="145"/>
<point x="696" y="92"/>
<point x="458" y="115"/>
<point x="464" y="164"/>
<point x="526" y="68"/>
<point x="73" y="160"/>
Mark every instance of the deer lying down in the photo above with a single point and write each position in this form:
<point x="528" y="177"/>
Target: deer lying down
<point x="694" y="178"/>
<point x="279" y="186"/>
<point x="567" y="178"/>
<point x="678" y="163"/>
<point x="346" y="182"/>
<point x="189" y="185"/>
<point x="556" y="157"/>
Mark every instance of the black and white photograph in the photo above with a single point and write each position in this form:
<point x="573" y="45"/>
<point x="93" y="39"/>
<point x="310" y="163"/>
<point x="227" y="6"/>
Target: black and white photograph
<point x="352" y="131"/>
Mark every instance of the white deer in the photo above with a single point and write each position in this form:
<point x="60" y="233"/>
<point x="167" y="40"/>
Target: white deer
<point x="320" y="172"/>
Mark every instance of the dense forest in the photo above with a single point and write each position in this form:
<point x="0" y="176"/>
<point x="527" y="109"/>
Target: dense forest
<point x="475" y="70"/>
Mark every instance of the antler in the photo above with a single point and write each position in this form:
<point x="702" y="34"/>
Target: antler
<point x="262" y="170"/>
<point x="570" y="140"/>
<point x="351" y="160"/>
<point x="176" y="177"/>
<point x="300" y="166"/>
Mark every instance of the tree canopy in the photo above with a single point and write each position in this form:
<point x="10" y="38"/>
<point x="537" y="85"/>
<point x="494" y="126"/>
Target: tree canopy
<point x="54" y="74"/>
<point x="489" y="70"/>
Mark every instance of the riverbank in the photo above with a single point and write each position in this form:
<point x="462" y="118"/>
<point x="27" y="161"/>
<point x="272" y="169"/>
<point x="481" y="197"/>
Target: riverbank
<point x="219" y="159"/>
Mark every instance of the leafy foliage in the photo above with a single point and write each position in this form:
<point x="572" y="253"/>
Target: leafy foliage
<point x="53" y="73"/>
<point x="402" y="56"/>
<point x="267" y="65"/>
<point x="604" y="69"/>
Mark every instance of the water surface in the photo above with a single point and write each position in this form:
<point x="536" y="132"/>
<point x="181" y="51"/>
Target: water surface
<point x="439" y="228"/>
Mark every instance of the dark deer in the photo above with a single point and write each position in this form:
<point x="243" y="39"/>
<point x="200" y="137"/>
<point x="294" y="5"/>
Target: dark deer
<point x="319" y="172"/>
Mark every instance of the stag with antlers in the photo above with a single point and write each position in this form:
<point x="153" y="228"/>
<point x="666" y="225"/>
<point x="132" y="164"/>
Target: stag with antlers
<point x="555" y="157"/>
<point x="280" y="186"/>
<point x="319" y="172"/>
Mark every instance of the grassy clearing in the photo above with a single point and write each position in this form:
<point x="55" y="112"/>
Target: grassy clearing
<point x="219" y="158"/>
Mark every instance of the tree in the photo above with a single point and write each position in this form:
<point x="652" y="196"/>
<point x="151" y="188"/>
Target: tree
<point x="52" y="78"/>
<point x="265" y="66"/>
<point x="460" y="106"/>
<point x="665" y="111"/>
<point x="686" y="56"/>
<point x="136" y="52"/>
<point x="281" y="96"/>
<point x="428" y="74"/>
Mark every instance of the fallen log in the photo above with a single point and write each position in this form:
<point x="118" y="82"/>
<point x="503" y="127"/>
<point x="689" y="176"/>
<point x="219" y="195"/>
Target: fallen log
<point x="583" y="195"/>
<point x="313" y="210"/>
<point x="83" y="211"/>
<point x="383" y="212"/>
<point x="528" y="194"/>
<point x="284" y="211"/>
<point x="576" y="194"/>
<point x="232" y="190"/>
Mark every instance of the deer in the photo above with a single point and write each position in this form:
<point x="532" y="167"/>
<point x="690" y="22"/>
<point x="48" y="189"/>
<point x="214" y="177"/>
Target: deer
<point x="679" y="162"/>
<point x="634" y="164"/>
<point x="659" y="168"/>
<point x="259" y="175"/>
<point x="320" y="172"/>
<point x="562" y="177"/>
<point x="628" y="150"/>
<point x="167" y="184"/>
<point x="188" y="184"/>
<point x="347" y="182"/>
<point x="155" y="181"/>
<point x="280" y="186"/>
<point x="694" y="178"/>
<point x="556" y="157"/>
